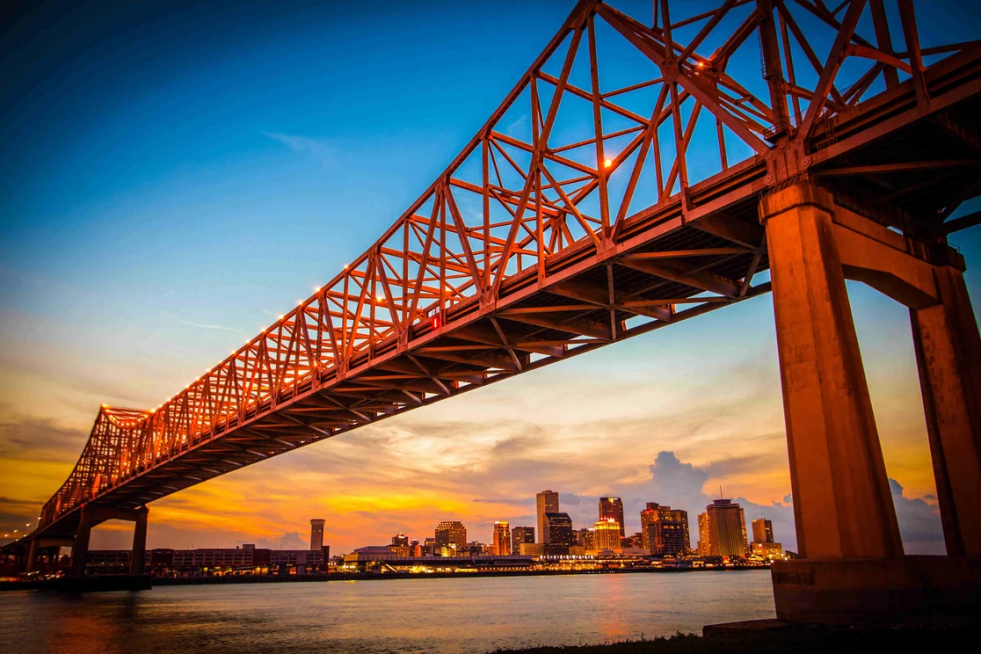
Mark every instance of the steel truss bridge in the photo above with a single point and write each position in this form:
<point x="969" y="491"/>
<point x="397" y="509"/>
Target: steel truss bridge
<point x="615" y="190"/>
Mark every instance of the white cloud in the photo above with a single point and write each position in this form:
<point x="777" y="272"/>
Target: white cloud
<point x="320" y="150"/>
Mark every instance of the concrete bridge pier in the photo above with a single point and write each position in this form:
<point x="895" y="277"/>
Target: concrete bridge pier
<point x="31" y="563"/>
<point x="138" y="558"/>
<point x="853" y="566"/>
<point x="948" y="355"/>
<point x="41" y="547"/>
<point x="93" y="516"/>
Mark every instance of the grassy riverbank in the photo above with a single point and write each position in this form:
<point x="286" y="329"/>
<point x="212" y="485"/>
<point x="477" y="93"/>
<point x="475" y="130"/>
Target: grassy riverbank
<point x="953" y="635"/>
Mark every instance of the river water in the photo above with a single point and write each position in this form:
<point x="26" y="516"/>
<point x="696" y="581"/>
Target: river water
<point x="367" y="617"/>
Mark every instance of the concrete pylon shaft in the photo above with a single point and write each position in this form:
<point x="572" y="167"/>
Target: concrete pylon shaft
<point x="842" y="502"/>
<point x="80" y="549"/>
<point x="948" y="355"/>
<point x="32" y="556"/>
<point x="136" y="562"/>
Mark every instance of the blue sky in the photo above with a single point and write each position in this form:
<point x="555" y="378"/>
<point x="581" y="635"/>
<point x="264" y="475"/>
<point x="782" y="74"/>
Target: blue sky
<point x="173" y="176"/>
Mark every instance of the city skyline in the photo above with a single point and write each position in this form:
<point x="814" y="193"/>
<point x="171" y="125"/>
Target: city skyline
<point x="676" y="542"/>
<point x="477" y="459"/>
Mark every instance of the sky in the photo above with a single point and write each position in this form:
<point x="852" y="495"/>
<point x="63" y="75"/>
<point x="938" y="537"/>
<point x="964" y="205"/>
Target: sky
<point x="173" y="176"/>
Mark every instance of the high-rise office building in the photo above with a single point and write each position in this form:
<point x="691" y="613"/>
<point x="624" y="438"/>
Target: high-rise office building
<point x="763" y="544"/>
<point x="612" y="507"/>
<point x="664" y="531"/>
<point x="606" y="535"/>
<point x="316" y="534"/>
<point x="584" y="538"/>
<point x="548" y="502"/>
<point x="727" y="528"/>
<point x="648" y="517"/>
<point x="400" y="540"/>
<point x="704" y="536"/>
<point x="501" y="544"/>
<point x="762" y="531"/>
<point x="451" y="538"/>
<point x="560" y="536"/>
<point x="520" y="535"/>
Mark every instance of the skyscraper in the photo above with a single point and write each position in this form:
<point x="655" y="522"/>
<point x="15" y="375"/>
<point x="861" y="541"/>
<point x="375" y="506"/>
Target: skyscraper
<point x="586" y="538"/>
<point x="501" y="544"/>
<point x="612" y="507"/>
<point x="548" y="502"/>
<point x="400" y="540"/>
<point x="317" y="534"/>
<point x="763" y="543"/>
<point x="727" y="528"/>
<point x="606" y="535"/>
<point x="521" y="535"/>
<point x="664" y="531"/>
<point x="762" y="531"/>
<point x="560" y="536"/>
<point x="451" y="536"/>
<point x="704" y="535"/>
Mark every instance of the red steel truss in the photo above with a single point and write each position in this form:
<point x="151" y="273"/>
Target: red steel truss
<point x="588" y="209"/>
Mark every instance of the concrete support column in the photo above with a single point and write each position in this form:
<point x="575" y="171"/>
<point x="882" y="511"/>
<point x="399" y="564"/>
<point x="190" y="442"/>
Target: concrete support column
<point x="948" y="355"/>
<point x="32" y="556"/>
<point x="136" y="563"/>
<point x="842" y="504"/>
<point x="80" y="549"/>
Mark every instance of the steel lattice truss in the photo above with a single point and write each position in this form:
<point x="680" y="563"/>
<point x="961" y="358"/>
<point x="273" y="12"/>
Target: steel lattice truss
<point x="588" y="209"/>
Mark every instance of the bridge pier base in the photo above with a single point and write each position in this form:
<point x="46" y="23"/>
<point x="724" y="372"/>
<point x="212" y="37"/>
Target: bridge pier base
<point x="92" y="516"/>
<point x="853" y="567"/>
<point x="847" y="591"/>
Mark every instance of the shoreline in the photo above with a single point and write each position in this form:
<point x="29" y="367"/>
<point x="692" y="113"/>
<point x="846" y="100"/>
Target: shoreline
<point x="96" y="583"/>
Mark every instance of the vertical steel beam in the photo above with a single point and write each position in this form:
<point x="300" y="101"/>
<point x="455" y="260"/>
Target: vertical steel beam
<point x="773" y="69"/>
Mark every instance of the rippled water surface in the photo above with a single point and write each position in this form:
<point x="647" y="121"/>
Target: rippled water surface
<point x="411" y="615"/>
